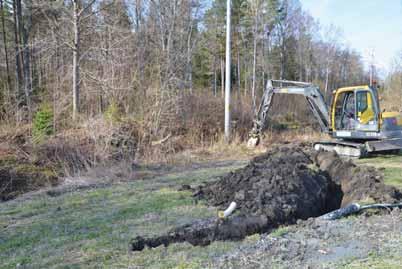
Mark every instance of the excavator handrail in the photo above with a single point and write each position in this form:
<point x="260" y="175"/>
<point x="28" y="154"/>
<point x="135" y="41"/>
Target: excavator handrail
<point x="292" y="82"/>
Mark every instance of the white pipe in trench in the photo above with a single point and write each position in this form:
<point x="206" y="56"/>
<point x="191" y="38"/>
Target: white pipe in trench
<point x="228" y="211"/>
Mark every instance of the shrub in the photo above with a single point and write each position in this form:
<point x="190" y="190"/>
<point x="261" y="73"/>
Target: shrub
<point x="43" y="123"/>
<point x="112" y="113"/>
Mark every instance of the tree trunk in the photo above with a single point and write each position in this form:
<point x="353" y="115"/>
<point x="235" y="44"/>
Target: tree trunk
<point x="282" y="54"/>
<point x="215" y="79"/>
<point x="25" y="29"/>
<point x="76" y="60"/>
<point x="138" y="15"/>
<point x="263" y="64"/>
<point x="267" y="58"/>
<point x="254" y="70"/>
<point x="238" y="73"/>
<point x="326" y="81"/>
<point x="5" y="44"/>
<point x="245" y="84"/>
<point x="17" y="51"/>
<point x="189" y="53"/>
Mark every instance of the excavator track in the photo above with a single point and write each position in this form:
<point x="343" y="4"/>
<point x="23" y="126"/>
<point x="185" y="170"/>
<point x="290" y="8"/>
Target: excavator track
<point x="360" y="150"/>
<point x="343" y="148"/>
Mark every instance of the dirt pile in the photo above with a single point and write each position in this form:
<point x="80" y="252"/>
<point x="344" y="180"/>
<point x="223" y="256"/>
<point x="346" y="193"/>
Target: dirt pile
<point x="204" y="232"/>
<point x="283" y="185"/>
<point x="358" y="183"/>
<point x="293" y="182"/>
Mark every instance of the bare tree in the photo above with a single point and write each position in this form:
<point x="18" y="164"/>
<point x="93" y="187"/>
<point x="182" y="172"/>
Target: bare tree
<point x="26" y="26"/>
<point x="5" y="44"/>
<point x="332" y="35"/>
<point x="79" y="11"/>
<point x="17" y="46"/>
<point x="256" y="13"/>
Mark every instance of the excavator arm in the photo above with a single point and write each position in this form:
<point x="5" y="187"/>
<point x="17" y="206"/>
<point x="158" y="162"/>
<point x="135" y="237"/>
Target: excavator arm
<point x="312" y="94"/>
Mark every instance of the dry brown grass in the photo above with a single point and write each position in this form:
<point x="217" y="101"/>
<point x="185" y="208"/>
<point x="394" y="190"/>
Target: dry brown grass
<point x="190" y="128"/>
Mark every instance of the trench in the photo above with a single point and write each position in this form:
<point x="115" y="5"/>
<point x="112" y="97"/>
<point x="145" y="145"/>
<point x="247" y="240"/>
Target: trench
<point x="287" y="184"/>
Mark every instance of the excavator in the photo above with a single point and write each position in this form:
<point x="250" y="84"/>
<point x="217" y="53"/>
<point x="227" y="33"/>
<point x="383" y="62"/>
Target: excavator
<point x="353" y="120"/>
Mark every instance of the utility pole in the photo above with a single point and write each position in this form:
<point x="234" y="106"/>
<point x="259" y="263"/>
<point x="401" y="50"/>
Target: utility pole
<point x="371" y="66"/>
<point x="227" y="84"/>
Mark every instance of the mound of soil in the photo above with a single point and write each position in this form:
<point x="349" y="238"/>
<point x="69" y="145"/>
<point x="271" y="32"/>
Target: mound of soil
<point x="292" y="182"/>
<point x="204" y="232"/>
<point x="283" y="185"/>
<point x="358" y="183"/>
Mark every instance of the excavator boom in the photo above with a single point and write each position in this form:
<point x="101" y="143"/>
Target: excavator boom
<point x="312" y="94"/>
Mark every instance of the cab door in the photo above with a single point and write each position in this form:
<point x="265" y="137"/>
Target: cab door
<point x="343" y="110"/>
<point x="367" y="111"/>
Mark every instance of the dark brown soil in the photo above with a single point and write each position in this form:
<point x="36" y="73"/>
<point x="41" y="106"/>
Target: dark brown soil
<point x="203" y="232"/>
<point x="284" y="185"/>
<point x="292" y="182"/>
<point x="358" y="183"/>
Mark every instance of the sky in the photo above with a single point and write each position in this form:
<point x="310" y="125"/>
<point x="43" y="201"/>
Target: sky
<point x="366" y="25"/>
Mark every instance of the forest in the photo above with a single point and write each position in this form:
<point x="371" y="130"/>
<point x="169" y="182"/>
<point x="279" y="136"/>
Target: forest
<point x="146" y="59"/>
<point x="145" y="78"/>
<point x="143" y="58"/>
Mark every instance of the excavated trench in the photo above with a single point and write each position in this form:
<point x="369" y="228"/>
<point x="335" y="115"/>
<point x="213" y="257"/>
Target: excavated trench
<point x="284" y="185"/>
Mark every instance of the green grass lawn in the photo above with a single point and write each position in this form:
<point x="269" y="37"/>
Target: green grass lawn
<point x="93" y="228"/>
<point x="391" y="165"/>
<point x="373" y="261"/>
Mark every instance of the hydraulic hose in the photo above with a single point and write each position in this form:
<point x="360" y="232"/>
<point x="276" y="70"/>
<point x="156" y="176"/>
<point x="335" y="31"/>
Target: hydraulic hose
<point x="353" y="209"/>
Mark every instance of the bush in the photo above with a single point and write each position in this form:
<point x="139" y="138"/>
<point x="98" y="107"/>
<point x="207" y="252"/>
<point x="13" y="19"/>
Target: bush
<point x="43" y="123"/>
<point x="112" y="113"/>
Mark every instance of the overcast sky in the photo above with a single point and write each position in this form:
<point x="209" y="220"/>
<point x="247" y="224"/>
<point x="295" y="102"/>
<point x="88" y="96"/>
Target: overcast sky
<point x="366" y="24"/>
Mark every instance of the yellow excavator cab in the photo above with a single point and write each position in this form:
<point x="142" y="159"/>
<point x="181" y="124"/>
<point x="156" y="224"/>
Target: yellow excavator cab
<point x="353" y="107"/>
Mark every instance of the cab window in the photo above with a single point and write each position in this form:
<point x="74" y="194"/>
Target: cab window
<point x="362" y="101"/>
<point x="365" y="108"/>
<point x="345" y="110"/>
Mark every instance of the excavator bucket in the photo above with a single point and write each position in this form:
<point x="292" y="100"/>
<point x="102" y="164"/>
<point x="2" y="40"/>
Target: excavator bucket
<point x="253" y="142"/>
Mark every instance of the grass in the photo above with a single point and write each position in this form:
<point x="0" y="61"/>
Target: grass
<point x="93" y="228"/>
<point x="374" y="261"/>
<point x="391" y="166"/>
<point x="279" y="232"/>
